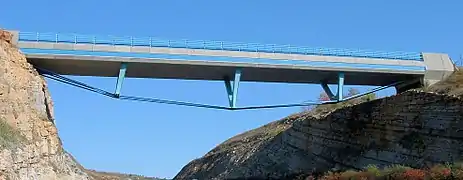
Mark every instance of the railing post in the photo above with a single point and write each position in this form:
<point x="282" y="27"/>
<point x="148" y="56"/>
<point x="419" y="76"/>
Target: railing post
<point x="38" y="35"/>
<point x="94" y="42"/>
<point x="56" y="39"/>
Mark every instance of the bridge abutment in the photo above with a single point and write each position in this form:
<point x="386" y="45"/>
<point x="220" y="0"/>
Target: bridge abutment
<point x="15" y="38"/>
<point x="438" y="67"/>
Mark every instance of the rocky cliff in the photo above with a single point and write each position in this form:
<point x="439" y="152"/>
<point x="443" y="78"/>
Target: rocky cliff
<point x="416" y="128"/>
<point x="29" y="145"/>
<point x="30" y="148"/>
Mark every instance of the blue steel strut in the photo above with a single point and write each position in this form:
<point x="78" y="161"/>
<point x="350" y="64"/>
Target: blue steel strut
<point x="65" y="80"/>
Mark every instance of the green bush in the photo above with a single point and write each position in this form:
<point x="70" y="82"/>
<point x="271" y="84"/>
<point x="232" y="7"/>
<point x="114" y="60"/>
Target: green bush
<point x="373" y="169"/>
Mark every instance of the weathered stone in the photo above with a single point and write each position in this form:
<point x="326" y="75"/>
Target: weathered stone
<point x="413" y="128"/>
<point x="25" y="105"/>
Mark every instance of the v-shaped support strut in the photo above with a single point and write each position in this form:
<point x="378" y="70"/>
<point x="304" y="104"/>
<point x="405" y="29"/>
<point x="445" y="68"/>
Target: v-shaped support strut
<point x="338" y="95"/>
<point x="232" y="91"/>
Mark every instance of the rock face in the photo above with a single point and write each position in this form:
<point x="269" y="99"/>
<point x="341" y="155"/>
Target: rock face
<point x="29" y="145"/>
<point x="414" y="128"/>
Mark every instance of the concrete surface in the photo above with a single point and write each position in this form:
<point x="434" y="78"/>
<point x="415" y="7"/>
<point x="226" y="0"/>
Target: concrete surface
<point x="200" y="64"/>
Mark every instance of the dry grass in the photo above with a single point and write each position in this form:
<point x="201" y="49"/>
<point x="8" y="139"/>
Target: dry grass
<point x="453" y="85"/>
<point x="320" y="111"/>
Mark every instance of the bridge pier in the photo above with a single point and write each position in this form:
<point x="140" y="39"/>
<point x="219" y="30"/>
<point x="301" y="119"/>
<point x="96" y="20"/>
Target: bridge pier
<point x="339" y="95"/>
<point x="340" y="86"/>
<point x="232" y="91"/>
<point x="120" y="79"/>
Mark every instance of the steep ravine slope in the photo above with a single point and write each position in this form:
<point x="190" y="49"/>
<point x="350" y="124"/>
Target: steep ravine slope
<point x="30" y="148"/>
<point x="415" y="128"/>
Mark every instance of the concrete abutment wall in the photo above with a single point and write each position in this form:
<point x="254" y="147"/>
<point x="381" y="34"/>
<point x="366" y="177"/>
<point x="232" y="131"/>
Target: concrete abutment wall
<point x="438" y="67"/>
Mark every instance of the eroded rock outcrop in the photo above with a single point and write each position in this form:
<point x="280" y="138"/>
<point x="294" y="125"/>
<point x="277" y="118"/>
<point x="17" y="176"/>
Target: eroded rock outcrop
<point x="29" y="145"/>
<point x="415" y="128"/>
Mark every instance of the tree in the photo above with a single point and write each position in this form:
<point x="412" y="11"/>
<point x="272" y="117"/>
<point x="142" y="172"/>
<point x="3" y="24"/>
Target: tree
<point x="323" y="97"/>
<point x="352" y="92"/>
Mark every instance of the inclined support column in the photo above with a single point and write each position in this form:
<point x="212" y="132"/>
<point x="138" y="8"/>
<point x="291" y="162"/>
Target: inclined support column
<point x="120" y="79"/>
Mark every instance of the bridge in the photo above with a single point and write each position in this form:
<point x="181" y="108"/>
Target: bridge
<point x="149" y="57"/>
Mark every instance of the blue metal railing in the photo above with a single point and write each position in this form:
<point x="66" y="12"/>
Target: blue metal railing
<point x="212" y="45"/>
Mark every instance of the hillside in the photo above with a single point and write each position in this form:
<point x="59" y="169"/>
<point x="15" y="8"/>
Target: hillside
<point x="417" y="128"/>
<point x="30" y="147"/>
<point x="118" y="176"/>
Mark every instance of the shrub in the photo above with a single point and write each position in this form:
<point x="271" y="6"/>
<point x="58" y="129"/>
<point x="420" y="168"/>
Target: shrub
<point x="457" y="173"/>
<point x="414" y="174"/>
<point x="348" y="174"/>
<point x="440" y="172"/>
<point x="399" y="172"/>
<point x="373" y="169"/>
<point x="395" y="169"/>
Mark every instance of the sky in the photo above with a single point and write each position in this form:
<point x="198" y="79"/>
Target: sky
<point x="157" y="139"/>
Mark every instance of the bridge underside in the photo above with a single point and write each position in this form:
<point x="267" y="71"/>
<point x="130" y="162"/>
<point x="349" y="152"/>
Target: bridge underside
<point x="217" y="72"/>
<point x="229" y="74"/>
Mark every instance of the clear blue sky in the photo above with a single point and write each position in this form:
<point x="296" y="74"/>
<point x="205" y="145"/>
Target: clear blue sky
<point x="158" y="140"/>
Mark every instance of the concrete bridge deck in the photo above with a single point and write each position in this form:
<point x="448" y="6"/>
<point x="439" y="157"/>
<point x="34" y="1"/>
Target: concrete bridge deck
<point x="85" y="55"/>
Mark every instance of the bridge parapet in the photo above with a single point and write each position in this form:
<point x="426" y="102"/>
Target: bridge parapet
<point x="213" y="45"/>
